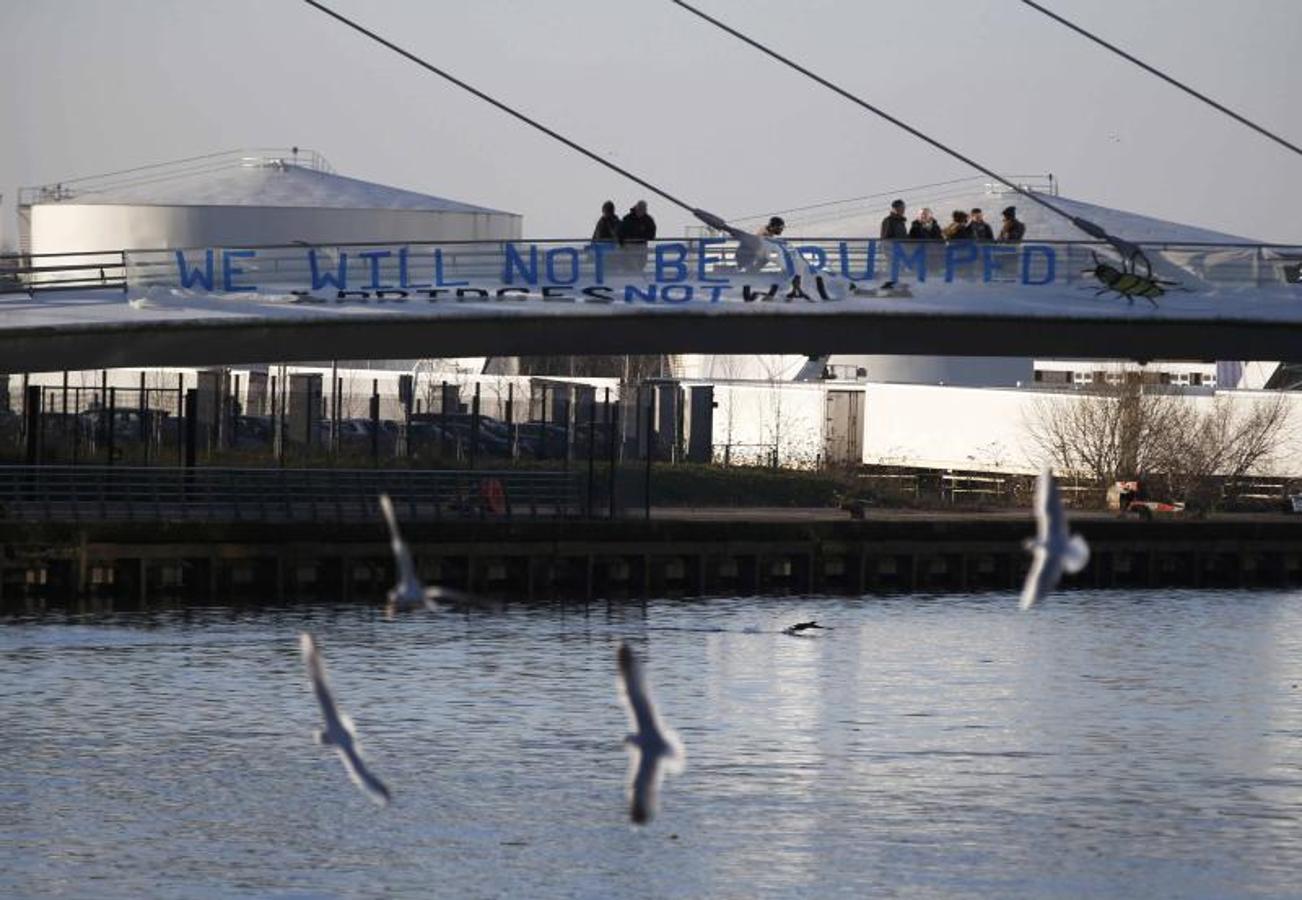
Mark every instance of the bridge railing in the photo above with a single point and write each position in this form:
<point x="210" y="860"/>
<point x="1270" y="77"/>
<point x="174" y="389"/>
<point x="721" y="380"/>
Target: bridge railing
<point x="448" y="265"/>
<point x="115" y="493"/>
<point x="364" y="268"/>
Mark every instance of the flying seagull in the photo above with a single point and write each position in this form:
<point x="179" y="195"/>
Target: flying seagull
<point x="801" y="627"/>
<point x="410" y="592"/>
<point x="1053" y="550"/>
<point x="339" y="731"/>
<point x="652" y="748"/>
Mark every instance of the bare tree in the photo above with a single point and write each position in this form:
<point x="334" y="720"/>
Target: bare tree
<point x="1129" y="430"/>
<point x="1104" y="433"/>
<point x="1231" y="441"/>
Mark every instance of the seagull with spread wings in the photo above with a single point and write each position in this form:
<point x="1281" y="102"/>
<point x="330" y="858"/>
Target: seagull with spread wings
<point x="339" y="732"/>
<point x="410" y="592"/>
<point x="653" y="748"/>
<point x="1053" y="549"/>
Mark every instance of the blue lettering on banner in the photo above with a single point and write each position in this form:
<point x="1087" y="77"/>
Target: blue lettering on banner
<point x="229" y="271"/>
<point x="870" y="265"/>
<point x="443" y="282"/>
<point x="1050" y="263"/>
<point x="374" y="257"/>
<point x="599" y="250"/>
<point x="704" y="258"/>
<point x="688" y="263"/>
<point x="566" y="253"/>
<point x="633" y="291"/>
<point x="969" y="252"/>
<point x="991" y="261"/>
<point x="404" y="270"/>
<point x="190" y="276"/>
<point x="515" y="261"/>
<point x="678" y="264"/>
<point x="816" y="257"/>
<point x="323" y="279"/>
<point x="901" y="258"/>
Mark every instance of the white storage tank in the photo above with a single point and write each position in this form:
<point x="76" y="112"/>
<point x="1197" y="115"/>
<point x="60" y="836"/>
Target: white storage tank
<point x="243" y="198"/>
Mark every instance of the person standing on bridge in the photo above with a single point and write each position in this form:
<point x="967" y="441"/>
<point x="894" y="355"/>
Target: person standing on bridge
<point x="925" y="227"/>
<point x="981" y="230"/>
<point x="1013" y="230"/>
<point x="895" y="227"/>
<point x="751" y="255"/>
<point x="607" y="230"/>
<point x="959" y="229"/>
<point x="635" y="230"/>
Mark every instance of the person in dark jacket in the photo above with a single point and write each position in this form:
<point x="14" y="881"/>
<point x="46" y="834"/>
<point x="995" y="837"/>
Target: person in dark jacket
<point x="925" y="227"/>
<point x="959" y="229"/>
<point x="635" y="229"/>
<point x="895" y="227"/>
<point x="981" y="230"/>
<point x="1013" y="230"/>
<point x="607" y="229"/>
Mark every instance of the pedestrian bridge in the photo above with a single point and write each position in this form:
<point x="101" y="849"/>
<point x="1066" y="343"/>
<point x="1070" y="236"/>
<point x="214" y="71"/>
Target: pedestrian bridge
<point x="227" y="305"/>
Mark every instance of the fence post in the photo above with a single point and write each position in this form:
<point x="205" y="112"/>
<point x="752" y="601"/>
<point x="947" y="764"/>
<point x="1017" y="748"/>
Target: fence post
<point x="76" y="425"/>
<point x="110" y="439"/>
<point x="612" y="416"/>
<point x="32" y="413"/>
<point x="180" y="420"/>
<point x="474" y="427"/>
<point x="592" y="450"/>
<point x="144" y="420"/>
<point x="650" y="454"/>
<point x="191" y="426"/>
<point x="512" y="432"/>
<point x="375" y="421"/>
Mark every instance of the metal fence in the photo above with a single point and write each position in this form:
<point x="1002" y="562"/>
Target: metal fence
<point x="86" y="493"/>
<point x="220" y="419"/>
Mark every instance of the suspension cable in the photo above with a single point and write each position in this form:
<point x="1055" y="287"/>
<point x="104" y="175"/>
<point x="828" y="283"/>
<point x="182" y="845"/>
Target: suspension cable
<point x="873" y="109"/>
<point x="502" y="106"/>
<point x="1167" y="78"/>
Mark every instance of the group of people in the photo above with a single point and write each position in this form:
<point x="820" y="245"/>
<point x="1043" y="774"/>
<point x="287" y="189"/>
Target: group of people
<point x="631" y="233"/>
<point x="964" y="226"/>
<point x="636" y="229"/>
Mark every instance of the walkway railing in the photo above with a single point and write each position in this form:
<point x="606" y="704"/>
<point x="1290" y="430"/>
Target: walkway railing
<point x="86" y="494"/>
<point x="403" y="269"/>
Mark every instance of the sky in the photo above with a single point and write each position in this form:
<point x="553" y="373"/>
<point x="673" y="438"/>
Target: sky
<point x="92" y="86"/>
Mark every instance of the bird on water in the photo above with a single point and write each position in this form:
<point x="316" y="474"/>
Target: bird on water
<point x="801" y="627"/>
<point x="653" y="747"/>
<point x="339" y="731"/>
<point x="1053" y="549"/>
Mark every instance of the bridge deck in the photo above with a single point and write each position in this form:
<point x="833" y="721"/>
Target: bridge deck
<point x="502" y="299"/>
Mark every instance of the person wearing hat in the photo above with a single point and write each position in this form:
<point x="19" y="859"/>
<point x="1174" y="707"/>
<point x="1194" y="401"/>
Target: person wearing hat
<point x="635" y="230"/>
<point x="750" y="255"/>
<point x="1013" y="230"/>
<point x="895" y="227"/>
<point x="607" y="229"/>
<point x="981" y="230"/>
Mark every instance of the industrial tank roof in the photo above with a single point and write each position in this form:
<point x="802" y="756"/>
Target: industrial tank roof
<point x="863" y="216"/>
<point x="235" y="179"/>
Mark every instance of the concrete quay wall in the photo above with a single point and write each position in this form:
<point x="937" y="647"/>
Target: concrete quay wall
<point x="132" y="564"/>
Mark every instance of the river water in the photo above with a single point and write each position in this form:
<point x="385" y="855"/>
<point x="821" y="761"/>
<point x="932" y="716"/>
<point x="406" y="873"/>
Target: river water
<point x="1108" y="743"/>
